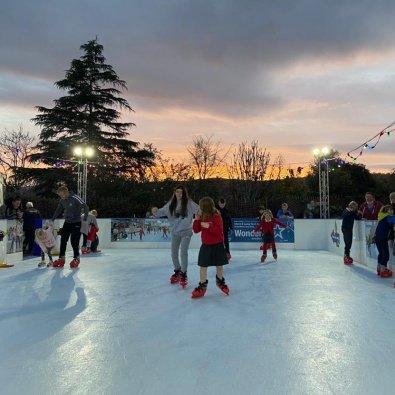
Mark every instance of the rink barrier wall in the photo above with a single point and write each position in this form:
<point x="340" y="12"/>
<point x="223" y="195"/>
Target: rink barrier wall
<point x="309" y="234"/>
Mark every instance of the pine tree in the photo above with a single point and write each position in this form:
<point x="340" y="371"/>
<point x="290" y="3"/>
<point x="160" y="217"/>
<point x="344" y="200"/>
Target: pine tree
<point x="90" y="115"/>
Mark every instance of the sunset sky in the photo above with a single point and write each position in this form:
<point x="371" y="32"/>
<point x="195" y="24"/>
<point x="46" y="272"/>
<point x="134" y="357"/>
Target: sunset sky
<point x="291" y="74"/>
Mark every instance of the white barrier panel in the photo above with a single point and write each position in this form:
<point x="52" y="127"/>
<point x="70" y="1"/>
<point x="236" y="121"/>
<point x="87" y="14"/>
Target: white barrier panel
<point x="310" y="234"/>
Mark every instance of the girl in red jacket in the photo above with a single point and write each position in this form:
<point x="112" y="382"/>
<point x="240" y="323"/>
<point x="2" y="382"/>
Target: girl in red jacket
<point x="267" y="228"/>
<point x="212" y="251"/>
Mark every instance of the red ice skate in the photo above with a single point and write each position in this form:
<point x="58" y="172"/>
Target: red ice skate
<point x="74" y="263"/>
<point x="58" y="263"/>
<point x="175" y="278"/>
<point x="200" y="290"/>
<point x="86" y="251"/>
<point x="347" y="260"/>
<point x="222" y="286"/>
<point x="183" y="279"/>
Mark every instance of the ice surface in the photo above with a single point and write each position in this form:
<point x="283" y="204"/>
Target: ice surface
<point x="305" y="325"/>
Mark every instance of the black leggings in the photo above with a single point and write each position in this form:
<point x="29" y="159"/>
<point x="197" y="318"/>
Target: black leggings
<point x="73" y="230"/>
<point x="384" y="251"/>
<point x="347" y="236"/>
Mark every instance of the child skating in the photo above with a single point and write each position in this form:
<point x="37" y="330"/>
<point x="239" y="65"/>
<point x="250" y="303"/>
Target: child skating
<point x="212" y="252"/>
<point x="350" y="214"/>
<point x="386" y="220"/>
<point x="89" y="228"/>
<point x="45" y="238"/>
<point x="266" y="225"/>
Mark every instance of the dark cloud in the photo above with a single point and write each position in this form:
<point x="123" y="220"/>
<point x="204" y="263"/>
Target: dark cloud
<point x="290" y="74"/>
<point x="215" y="56"/>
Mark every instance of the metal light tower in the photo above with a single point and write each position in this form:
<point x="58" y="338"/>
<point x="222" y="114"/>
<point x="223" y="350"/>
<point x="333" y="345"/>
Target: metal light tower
<point x="83" y="153"/>
<point x="323" y="180"/>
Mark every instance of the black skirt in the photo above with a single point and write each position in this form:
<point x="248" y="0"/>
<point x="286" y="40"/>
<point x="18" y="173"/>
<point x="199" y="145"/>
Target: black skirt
<point x="212" y="255"/>
<point x="268" y="238"/>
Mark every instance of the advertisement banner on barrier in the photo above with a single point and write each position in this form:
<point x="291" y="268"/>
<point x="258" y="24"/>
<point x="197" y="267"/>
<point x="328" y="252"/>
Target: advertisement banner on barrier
<point x="158" y="230"/>
<point x="370" y="230"/>
<point x="243" y="231"/>
<point x="140" y="229"/>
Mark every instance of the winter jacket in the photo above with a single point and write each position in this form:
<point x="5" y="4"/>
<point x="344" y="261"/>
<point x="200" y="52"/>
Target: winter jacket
<point x="214" y="233"/>
<point x="370" y="213"/>
<point x="348" y="218"/>
<point x="386" y="222"/>
<point x="72" y="207"/>
<point x="179" y="225"/>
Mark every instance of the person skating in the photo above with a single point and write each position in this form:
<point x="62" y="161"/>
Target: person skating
<point x="179" y="210"/>
<point x="212" y="252"/>
<point x="386" y="220"/>
<point x="266" y="226"/>
<point x="89" y="230"/>
<point x="71" y="205"/>
<point x="45" y="238"/>
<point x="349" y="214"/>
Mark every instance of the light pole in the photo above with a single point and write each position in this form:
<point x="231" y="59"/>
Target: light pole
<point x="83" y="153"/>
<point x="323" y="180"/>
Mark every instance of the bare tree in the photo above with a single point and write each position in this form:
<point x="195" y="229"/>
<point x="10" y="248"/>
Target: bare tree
<point x="247" y="170"/>
<point x="249" y="162"/>
<point x="16" y="147"/>
<point x="206" y="157"/>
<point x="169" y="169"/>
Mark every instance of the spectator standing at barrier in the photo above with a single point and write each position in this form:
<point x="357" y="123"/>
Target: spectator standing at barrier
<point x="30" y="216"/>
<point x="71" y="205"/>
<point x="180" y="210"/>
<point x="308" y="212"/>
<point x="371" y="207"/>
<point x="350" y="214"/>
<point x="14" y="209"/>
<point x="386" y="221"/>
<point x="212" y="251"/>
<point x="227" y="224"/>
<point x="312" y="210"/>
<point x="284" y="213"/>
<point x="261" y="210"/>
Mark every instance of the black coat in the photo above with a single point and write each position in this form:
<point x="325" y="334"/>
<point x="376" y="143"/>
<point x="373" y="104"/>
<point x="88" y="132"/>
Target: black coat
<point x="226" y="219"/>
<point x="29" y="218"/>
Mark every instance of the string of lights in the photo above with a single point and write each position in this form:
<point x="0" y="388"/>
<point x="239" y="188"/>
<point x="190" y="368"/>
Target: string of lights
<point x="368" y="144"/>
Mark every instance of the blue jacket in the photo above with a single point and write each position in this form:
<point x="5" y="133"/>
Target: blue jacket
<point x="386" y="222"/>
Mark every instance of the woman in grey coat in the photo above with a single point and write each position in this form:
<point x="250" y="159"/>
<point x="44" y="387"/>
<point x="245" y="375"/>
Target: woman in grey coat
<point x="179" y="210"/>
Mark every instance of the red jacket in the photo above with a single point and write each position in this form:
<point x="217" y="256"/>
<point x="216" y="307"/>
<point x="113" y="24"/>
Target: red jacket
<point x="214" y="234"/>
<point x="268" y="227"/>
<point x="370" y="214"/>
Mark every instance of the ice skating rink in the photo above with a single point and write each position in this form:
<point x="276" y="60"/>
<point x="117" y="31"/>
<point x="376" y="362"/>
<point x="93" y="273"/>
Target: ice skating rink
<point x="305" y="325"/>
